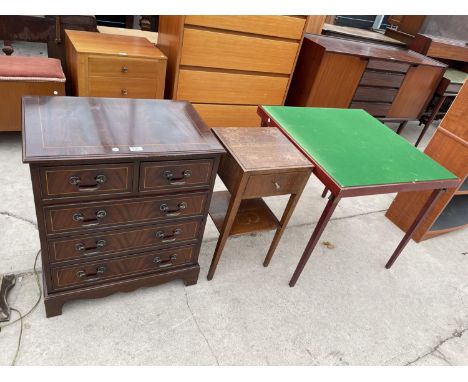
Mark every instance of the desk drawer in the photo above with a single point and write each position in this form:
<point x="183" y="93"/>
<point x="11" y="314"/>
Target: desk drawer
<point x="374" y="94"/>
<point x="174" y="175"/>
<point x="384" y="79"/>
<point x="82" y="216"/>
<point x="86" y="180"/>
<point x="275" y="184"/>
<point x="124" y="87"/>
<point x="376" y="109"/>
<point x="99" y="271"/>
<point x="389" y="66"/>
<point x="86" y="247"/>
<point x="124" y="67"/>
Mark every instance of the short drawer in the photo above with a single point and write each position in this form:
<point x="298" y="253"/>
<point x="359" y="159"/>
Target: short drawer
<point x="275" y="184"/>
<point x="86" y="180"/>
<point x="384" y="79"/>
<point x="376" y="109"/>
<point x="124" y="67"/>
<point x="99" y="271"/>
<point x="125" y="87"/>
<point x="374" y="94"/>
<point x="172" y="175"/>
<point x="82" y="216"/>
<point x="389" y="66"/>
<point x="86" y="247"/>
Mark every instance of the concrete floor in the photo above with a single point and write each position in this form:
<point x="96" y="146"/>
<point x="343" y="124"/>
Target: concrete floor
<point x="346" y="309"/>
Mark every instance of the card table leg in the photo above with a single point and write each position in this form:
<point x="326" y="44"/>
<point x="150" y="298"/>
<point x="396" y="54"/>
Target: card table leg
<point x="322" y="223"/>
<point x="431" y="118"/>
<point x="401" y="127"/>
<point x="422" y="214"/>
<point x="325" y="192"/>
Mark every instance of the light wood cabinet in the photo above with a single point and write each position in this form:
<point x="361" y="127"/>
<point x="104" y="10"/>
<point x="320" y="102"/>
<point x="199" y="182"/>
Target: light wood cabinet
<point x="103" y="65"/>
<point x="227" y="65"/>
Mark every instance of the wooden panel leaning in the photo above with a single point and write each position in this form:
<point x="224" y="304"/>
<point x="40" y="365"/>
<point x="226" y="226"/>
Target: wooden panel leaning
<point x="449" y="147"/>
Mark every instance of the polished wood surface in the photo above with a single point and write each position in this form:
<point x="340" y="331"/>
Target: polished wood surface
<point x="122" y="190"/>
<point x="440" y="47"/>
<point x="213" y="60"/>
<point x="152" y="37"/>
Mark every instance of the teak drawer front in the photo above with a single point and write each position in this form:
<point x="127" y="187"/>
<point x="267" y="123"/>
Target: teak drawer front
<point x="124" y="87"/>
<point x="86" y="247"/>
<point x="374" y="94"/>
<point x="228" y="115"/>
<point x="173" y="175"/>
<point x="278" y="26"/>
<point x="86" y="180"/>
<point x="390" y="66"/>
<point x="97" y="271"/>
<point x="384" y="79"/>
<point x="215" y="49"/>
<point x="376" y="109"/>
<point x="123" y="67"/>
<point x="80" y="216"/>
<point x="231" y="88"/>
<point x="274" y="184"/>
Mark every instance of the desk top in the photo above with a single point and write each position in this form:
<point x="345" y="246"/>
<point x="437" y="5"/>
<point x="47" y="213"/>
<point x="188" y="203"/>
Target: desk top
<point x="258" y="149"/>
<point x="354" y="148"/>
<point x="82" y="128"/>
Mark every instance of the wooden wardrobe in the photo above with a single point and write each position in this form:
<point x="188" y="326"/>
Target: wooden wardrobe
<point x="227" y="65"/>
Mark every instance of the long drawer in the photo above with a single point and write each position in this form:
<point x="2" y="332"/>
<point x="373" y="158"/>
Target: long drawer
<point x="376" y="109"/>
<point x="94" y="215"/>
<point x="278" y="26"/>
<point x="215" y="49"/>
<point x="374" y="94"/>
<point x="87" y="247"/>
<point x="174" y="175"/>
<point x="104" y="270"/>
<point x="86" y="180"/>
<point x="200" y="86"/>
<point x="123" y="67"/>
<point x="384" y="79"/>
<point x="228" y="115"/>
<point x="124" y="87"/>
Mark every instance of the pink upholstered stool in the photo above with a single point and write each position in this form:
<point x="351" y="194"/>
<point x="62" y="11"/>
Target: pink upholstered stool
<point x="23" y="76"/>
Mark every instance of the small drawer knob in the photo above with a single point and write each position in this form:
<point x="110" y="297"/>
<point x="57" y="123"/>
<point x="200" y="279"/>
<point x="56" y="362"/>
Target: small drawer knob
<point x="124" y="92"/>
<point x="124" y="69"/>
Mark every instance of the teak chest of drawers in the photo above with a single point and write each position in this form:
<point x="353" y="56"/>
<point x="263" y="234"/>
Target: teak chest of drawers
<point x="122" y="189"/>
<point x="103" y="65"/>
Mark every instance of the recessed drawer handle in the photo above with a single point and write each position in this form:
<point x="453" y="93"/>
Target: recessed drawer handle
<point x="166" y="263"/>
<point x="177" y="181"/>
<point x="180" y="207"/>
<point x="124" y="92"/>
<point x="91" y="276"/>
<point x="76" y="181"/>
<point x="168" y="238"/>
<point x="78" y="217"/>
<point x="85" y="251"/>
<point x="124" y="69"/>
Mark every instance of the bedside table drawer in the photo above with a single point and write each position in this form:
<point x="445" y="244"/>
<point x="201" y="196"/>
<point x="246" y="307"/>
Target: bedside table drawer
<point x="124" y="87"/>
<point x="98" y="271"/>
<point x="86" y="180"/>
<point x="175" y="174"/>
<point x="275" y="184"/>
<point x="124" y="67"/>
<point x="82" y="216"/>
<point x="112" y="243"/>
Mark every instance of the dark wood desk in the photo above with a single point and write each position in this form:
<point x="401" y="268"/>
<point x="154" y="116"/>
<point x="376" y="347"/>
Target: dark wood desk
<point x="122" y="189"/>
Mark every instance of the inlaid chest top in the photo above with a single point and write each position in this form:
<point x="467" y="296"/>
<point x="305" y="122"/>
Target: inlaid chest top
<point x="261" y="148"/>
<point x="354" y="148"/>
<point x="75" y="128"/>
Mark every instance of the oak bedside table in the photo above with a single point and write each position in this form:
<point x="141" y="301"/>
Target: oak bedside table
<point x="260" y="162"/>
<point x="121" y="188"/>
<point x="104" y="65"/>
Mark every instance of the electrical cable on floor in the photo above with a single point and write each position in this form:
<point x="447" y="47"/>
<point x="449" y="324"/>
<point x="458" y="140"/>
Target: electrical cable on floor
<point x="21" y="317"/>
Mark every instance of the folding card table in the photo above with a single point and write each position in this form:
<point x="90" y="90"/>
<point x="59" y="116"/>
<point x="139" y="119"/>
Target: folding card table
<point x="354" y="155"/>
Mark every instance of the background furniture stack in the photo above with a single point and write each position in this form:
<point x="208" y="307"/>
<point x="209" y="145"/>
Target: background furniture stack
<point x="105" y="65"/>
<point x="122" y="190"/>
<point x="227" y="65"/>
<point x="449" y="147"/>
<point x="388" y="82"/>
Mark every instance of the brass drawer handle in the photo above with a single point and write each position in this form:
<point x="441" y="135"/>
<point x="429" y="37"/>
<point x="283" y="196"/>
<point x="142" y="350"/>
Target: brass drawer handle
<point x="79" y="217"/>
<point x="180" y="207"/>
<point x="85" y="251"/>
<point x="91" y="276"/>
<point x="168" y="238"/>
<point x="124" y="92"/>
<point x="177" y="181"/>
<point x="76" y="181"/>
<point x="124" y="69"/>
<point x="166" y="263"/>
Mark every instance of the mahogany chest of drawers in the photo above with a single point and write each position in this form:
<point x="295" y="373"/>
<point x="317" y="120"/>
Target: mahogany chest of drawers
<point x="122" y="189"/>
<point x="103" y="65"/>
